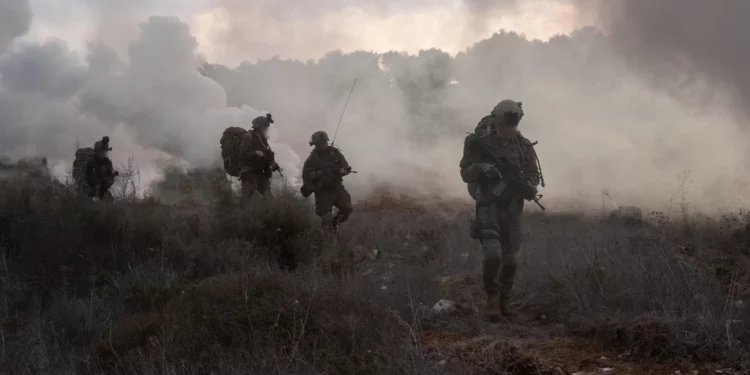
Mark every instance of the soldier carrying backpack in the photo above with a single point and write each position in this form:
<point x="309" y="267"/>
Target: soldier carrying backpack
<point x="247" y="155"/>
<point x="502" y="171"/>
<point x="93" y="172"/>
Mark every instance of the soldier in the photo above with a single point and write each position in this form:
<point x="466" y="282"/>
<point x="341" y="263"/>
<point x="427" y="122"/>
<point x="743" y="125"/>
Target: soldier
<point x="499" y="207"/>
<point x="100" y="175"/>
<point x="257" y="160"/>
<point x="322" y="175"/>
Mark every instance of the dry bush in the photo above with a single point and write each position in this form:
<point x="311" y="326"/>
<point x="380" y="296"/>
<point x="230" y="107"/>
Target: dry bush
<point x="193" y="186"/>
<point x="384" y="199"/>
<point x="635" y="287"/>
<point x="265" y="323"/>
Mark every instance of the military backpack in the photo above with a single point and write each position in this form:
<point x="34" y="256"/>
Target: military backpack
<point x="231" y="142"/>
<point x="84" y="156"/>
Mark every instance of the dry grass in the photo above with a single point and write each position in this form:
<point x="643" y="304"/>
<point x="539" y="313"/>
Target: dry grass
<point x="197" y="286"/>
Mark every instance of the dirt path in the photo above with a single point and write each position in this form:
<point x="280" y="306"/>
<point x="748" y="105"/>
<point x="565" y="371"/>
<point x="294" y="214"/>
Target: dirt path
<point x="528" y="347"/>
<point x="462" y="338"/>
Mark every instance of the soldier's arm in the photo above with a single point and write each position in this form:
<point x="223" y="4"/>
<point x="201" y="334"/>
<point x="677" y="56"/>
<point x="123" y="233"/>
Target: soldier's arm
<point x="248" y="149"/>
<point x="342" y="162"/>
<point x="269" y="154"/>
<point x="531" y="165"/>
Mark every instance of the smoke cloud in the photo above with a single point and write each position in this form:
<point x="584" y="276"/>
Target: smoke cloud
<point x="605" y="132"/>
<point x="155" y="104"/>
<point x="639" y="111"/>
<point x="692" y="48"/>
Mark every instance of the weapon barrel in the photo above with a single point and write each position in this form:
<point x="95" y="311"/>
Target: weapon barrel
<point x="536" y="200"/>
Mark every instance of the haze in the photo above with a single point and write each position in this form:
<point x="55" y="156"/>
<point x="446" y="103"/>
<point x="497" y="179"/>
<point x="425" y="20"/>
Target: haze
<point x="651" y="101"/>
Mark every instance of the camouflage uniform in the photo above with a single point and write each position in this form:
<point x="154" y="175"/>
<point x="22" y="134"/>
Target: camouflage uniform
<point x="498" y="211"/>
<point x="100" y="174"/>
<point x="322" y="175"/>
<point x="256" y="170"/>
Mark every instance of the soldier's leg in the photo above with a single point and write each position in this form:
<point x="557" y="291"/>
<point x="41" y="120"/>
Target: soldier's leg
<point x="510" y="241"/>
<point x="86" y="191"/>
<point x="264" y="187"/>
<point x="106" y="195"/>
<point x="344" y="205"/>
<point x="249" y="186"/>
<point x="324" y="201"/>
<point x="102" y="190"/>
<point x="489" y="236"/>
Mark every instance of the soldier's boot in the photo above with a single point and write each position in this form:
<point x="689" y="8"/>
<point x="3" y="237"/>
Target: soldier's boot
<point x="507" y="276"/>
<point x="505" y="309"/>
<point x="342" y="216"/>
<point x="335" y="223"/>
<point x="327" y="223"/>
<point x="329" y="228"/>
<point x="268" y="195"/>
<point x="491" y="266"/>
<point x="493" y="311"/>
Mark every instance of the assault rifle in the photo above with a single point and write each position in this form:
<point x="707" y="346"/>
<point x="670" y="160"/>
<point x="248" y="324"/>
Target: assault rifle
<point x="513" y="175"/>
<point x="348" y="170"/>
<point x="270" y="157"/>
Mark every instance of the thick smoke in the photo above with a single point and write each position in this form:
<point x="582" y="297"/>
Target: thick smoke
<point x="630" y="115"/>
<point x="607" y="136"/>
<point x="684" y="45"/>
<point x="154" y="104"/>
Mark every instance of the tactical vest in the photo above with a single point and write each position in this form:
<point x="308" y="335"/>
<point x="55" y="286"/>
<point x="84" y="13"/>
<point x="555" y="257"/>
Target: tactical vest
<point x="514" y="152"/>
<point x="328" y="163"/>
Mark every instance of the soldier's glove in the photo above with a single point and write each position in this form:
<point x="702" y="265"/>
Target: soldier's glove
<point x="488" y="171"/>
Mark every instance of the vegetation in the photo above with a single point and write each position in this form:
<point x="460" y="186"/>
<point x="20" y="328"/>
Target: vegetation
<point x="150" y="287"/>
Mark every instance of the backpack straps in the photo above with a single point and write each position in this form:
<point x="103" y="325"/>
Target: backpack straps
<point x="519" y="139"/>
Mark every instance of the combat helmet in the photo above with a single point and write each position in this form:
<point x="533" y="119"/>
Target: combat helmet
<point x="508" y="112"/>
<point x="262" y="121"/>
<point x="102" y="145"/>
<point x="318" y="137"/>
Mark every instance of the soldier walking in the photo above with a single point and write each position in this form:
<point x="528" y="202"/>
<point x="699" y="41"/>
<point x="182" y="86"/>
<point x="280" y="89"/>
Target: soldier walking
<point x="93" y="172"/>
<point x="257" y="161"/>
<point x="322" y="175"/>
<point x="499" y="204"/>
